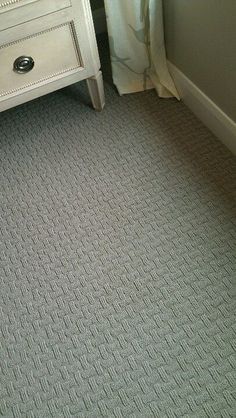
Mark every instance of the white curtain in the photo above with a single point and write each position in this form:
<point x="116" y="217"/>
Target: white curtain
<point x="136" y="37"/>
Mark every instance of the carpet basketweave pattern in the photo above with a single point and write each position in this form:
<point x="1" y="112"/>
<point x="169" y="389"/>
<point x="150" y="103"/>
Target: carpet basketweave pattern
<point x="117" y="260"/>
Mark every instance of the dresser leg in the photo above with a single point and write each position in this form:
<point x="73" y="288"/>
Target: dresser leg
<point x="96" y="91"/>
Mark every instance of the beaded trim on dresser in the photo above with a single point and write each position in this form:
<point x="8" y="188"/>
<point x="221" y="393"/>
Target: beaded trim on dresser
<point x="9" y="3"/>
<point x="34" y="35"/>
<point x="41" y="80"/>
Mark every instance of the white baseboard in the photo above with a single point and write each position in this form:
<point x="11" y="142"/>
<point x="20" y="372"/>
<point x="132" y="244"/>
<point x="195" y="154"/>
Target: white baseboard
<point x="99" y="19"/>
<point x="205" y="109"/>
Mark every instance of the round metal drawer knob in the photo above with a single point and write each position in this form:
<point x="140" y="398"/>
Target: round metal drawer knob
<point x="23" y="64"/>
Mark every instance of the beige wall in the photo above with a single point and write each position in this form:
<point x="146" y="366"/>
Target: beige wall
<point x="201" y="42"/>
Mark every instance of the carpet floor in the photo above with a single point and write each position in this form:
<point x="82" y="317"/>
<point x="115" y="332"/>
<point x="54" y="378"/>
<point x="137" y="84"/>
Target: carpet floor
<point x="117" y="260"/>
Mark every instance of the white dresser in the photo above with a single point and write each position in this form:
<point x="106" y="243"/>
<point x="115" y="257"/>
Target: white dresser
<point x="46" y="45"/>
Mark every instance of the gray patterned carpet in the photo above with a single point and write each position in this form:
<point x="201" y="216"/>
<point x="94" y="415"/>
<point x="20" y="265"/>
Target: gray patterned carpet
<point x="117" y="260"/>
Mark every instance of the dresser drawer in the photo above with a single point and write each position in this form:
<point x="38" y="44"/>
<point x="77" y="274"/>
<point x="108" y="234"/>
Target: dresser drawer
<point x="49" y="55"/>
<point x="15" y="12"/>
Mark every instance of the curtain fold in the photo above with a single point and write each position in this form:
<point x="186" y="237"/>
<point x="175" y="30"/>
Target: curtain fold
<point x="136" y="38"/>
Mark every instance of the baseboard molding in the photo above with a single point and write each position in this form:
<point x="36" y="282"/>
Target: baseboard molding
<point x="205" y="109"/>
<point x="99" y="18"/>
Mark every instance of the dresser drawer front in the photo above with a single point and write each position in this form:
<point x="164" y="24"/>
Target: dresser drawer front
<point x="54" y="52"/>
<point x="5" y="6"/>
<point x="15" y="12"/>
